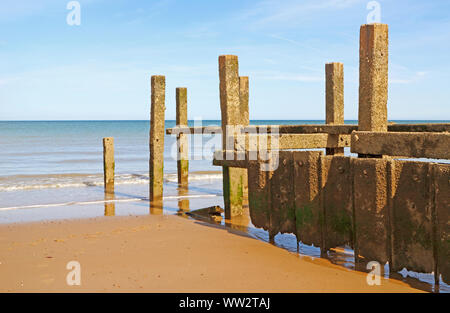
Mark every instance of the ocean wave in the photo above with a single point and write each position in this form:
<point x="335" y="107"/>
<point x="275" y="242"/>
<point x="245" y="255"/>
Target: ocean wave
<point x="31" y="182"/>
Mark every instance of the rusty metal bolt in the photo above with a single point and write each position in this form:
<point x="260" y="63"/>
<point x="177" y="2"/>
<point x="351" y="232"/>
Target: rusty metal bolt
<point x="341" y="169"/>
<point x="300" y="163"/>
<point x="284" y="162"/>
<point x="365" y="172"/>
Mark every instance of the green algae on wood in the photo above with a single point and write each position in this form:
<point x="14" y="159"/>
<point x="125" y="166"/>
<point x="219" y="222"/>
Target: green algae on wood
<point x="337" y="200"/>
<point x="412" y="228"/>
<point x="307" y="202"/>
<point x="230" y="109"/>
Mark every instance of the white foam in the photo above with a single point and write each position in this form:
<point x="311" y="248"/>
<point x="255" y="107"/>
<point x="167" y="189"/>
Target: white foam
<point x="101" y="202"/>
<point x="18" y="183"/>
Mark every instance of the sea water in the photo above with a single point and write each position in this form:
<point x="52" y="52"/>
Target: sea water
<point x="42" y="162"/>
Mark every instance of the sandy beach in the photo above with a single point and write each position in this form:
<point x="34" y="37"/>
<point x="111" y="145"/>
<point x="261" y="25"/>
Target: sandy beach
<point x="162" y="253"/>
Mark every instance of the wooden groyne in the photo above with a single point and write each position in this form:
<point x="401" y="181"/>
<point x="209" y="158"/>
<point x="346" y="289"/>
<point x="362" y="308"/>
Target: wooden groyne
<point x="388" y="208"/>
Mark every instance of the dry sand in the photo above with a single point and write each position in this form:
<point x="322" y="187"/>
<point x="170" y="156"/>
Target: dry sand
<point x="158" y="253"/>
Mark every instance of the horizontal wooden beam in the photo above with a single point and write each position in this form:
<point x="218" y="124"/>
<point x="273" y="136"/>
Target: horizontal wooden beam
<point x="428" y="127"/>
<point x="290" y="141"/>
<point x="414" y="144"/>
<point x="220" y="159"/>
<point x="314" y="128"/>
<point x="282" y="129"/>
<point x="334" y="129"/>
<point x="312" y="141"/>
<point x="194" y="130"/>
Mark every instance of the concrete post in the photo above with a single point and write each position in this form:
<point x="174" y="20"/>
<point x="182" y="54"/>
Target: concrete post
<point x="158" y="89"/>
<point x="334" y="94"/>
<point x="230" y="106"/>
<point x="108" y="164"/>
<point x="373" y="77"/>
<point x="182" y="139"/>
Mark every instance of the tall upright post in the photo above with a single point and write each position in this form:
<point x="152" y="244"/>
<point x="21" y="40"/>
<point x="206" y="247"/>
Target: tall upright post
<point x="244" y="120"/>
<point x="371" y="206"/>
<point x="230" y="106"/>
<point x="108" y="164"/>
<point x="334" y="98"/>
<point x="373" y="77"/>
<point x="182" y="139"/>
<point x="158" y="89"/>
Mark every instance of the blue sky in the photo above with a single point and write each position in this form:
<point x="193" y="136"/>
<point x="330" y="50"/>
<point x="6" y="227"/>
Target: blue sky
<point x="101" y="69"/>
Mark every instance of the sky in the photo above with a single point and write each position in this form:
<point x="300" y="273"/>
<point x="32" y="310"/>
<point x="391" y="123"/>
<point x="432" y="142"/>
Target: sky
<point x="101" y="69"/>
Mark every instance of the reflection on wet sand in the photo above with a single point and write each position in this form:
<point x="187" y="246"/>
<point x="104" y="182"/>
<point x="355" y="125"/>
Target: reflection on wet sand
<point x="110" y="206"/>
<point x="241" y="222"/>
<point x="183" y="203"/>
<point x="156" y="207"/>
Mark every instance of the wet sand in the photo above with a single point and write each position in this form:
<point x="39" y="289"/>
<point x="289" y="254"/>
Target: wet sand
<point x="162" y="253"/>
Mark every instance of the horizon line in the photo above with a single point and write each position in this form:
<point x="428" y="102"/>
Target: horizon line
<point x="143" y="120"/>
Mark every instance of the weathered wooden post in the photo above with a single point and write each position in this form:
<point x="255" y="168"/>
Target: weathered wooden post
<point x="243" y="101"/>
<point x="158" y="90"/>
<point x="245" y="119"/>
<point x="334" y="98"/>
<point x="373" y="77"/>
<point x="371" y="198"/>
<point x="182" y="139"/>
<point x="108" y="164"/>
<point x="230" y="105"/>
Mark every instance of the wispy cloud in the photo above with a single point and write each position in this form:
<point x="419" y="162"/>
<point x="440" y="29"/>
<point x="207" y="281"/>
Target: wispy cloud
<point x="417" y="76"/>
<point x="141" y="15"/>
<point x="202" y="31"/>
<point x="5" y="81"/>
<point x="274" y="75"/>
<point x="297" y="43"/>
<point x="291" y="11"/>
